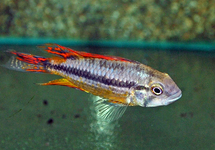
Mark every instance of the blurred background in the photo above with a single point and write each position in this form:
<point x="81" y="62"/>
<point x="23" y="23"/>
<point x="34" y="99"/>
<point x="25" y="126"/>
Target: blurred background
<point x="108" y="20"/>
<point x="177" y="37"/>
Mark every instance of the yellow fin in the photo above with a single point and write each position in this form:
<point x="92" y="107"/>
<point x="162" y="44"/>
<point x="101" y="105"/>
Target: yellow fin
<point x="62" y="82"/>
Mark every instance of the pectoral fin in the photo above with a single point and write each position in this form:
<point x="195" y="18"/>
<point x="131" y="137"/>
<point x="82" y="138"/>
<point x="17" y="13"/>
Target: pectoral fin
<point x="109" y="110"/>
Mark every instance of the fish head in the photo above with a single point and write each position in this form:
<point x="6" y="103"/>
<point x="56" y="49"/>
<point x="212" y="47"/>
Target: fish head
<point x="159" y="91"/>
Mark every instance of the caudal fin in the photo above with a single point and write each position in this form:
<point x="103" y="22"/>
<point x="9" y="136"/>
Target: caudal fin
<point x="27" y="62"/>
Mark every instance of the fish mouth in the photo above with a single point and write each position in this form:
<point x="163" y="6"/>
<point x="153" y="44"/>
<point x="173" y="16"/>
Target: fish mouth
<point x="173" y="98"/>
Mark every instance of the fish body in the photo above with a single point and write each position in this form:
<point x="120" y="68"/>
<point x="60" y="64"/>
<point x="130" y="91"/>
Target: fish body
<point x="118" y="81"/>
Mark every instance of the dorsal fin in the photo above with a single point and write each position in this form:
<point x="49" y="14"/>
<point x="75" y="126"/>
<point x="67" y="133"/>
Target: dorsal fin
<point x="58" y="50"/>
<point x="66" y="52"/>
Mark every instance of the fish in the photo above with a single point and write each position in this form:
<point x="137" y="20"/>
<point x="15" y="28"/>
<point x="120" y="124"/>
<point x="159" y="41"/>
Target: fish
<point x="119" y="82"/>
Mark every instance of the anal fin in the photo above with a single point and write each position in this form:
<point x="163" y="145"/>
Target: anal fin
<point x="62" y="82"/>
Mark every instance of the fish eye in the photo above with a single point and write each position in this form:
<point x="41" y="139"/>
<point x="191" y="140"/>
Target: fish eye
<point x="157" y="89"/>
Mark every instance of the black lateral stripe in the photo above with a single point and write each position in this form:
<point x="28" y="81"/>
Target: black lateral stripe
<point x="88" y="75"/>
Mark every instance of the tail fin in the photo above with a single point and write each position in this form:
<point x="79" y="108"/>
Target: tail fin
<point x="27" y="62"/>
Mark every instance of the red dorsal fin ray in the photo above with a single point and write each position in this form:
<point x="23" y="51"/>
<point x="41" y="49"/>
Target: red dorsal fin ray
<point x="66" y="52"/>
<point x="58" y="50"/>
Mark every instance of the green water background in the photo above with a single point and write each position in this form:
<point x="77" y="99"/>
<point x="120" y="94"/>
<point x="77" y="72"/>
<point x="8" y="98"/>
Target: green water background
<point x="174" y="36"/>
<point x="188" y="123"/>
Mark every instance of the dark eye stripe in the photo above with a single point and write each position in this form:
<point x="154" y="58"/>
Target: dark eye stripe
<point x="141" y="87"/>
